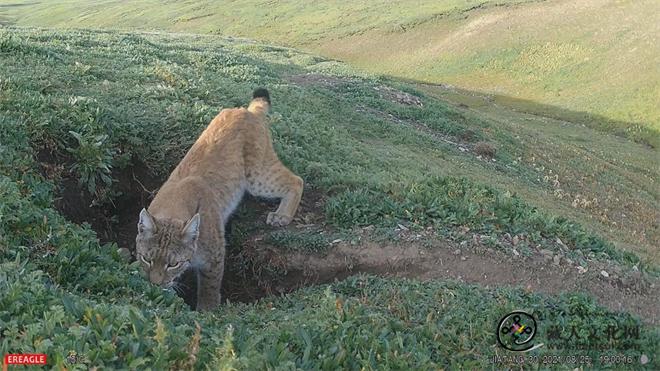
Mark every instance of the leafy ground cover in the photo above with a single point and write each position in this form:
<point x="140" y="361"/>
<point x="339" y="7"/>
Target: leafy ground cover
<point x="82" y="110"/>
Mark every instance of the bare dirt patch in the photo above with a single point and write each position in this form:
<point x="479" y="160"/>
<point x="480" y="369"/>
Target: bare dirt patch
<point x="485" y="149"/>
<point x="114" y="221"/>
<point x="489" y="268"/>
<point x="273" y="271"/>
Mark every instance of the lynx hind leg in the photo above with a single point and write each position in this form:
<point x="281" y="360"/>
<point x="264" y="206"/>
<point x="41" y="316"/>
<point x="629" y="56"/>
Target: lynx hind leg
<point x="278" y="182"/>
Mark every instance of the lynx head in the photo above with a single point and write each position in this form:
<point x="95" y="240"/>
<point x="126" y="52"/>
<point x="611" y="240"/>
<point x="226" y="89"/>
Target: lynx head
<point x="165" y="247"/>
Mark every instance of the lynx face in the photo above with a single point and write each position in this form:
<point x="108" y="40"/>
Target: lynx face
<point x="165" y="248"/>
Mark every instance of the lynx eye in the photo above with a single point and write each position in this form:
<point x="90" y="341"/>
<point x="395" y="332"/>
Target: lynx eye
<point x="145" y="261"/>
<point x="173" y="266"/>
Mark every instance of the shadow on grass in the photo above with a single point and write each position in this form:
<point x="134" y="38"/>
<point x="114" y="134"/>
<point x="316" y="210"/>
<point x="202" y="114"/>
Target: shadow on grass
<point x="635" y="131"/>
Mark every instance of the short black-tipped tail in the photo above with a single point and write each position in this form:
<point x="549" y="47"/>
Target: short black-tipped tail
<point x="261" y="93"/>
<point x="260" y="101"/>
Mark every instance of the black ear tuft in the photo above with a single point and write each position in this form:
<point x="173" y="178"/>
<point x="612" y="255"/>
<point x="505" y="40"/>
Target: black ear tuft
<point x="261" y="93"/>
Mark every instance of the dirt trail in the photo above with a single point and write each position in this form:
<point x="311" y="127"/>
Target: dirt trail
<point x="488" y="269"/>
<point x="622" y="290"/>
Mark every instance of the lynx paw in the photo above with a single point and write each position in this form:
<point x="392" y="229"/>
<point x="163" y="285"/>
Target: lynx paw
<point x="205" y="304"/>
<point x="278" y="220"/>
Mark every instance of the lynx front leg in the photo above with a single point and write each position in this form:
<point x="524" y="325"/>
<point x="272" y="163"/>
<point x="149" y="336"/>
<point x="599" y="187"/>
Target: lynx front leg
<point x="209" y="281"/>
<point x="279" y="182"/>
<point x="210" y="267"/>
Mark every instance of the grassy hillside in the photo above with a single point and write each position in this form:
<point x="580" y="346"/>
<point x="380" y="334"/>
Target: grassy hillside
<point x="593" y="62"/>
<point x="83" y="111"/>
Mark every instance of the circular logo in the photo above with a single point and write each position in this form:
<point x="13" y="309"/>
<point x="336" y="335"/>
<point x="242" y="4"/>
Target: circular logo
<point x="516" y="331"/>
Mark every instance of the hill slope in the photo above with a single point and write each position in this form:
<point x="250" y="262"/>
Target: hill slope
<point x="594" y="62"/>
<point x="84" y="114"/>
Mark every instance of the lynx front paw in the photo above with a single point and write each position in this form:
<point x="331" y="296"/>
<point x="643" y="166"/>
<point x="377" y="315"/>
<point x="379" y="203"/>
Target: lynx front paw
<point x="205" y="304"/>
<point x="278" y="220"/>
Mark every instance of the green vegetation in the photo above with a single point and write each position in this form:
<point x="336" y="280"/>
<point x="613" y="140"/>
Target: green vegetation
<point x="362" y="322"/>
<point x="297" y="22"/>
<point x="91" y="104"/>
<point x="574" y="62"/>
<point x="305" y="241"/>
<point x="447" y="202"/>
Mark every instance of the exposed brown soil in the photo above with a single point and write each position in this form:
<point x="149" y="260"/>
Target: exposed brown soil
<point x="488" y="269"/>
<point x="256" y="269"/>
<point x="485" y="149"/>
<point x="114" y="221"/>
<point x="472" y="263"/>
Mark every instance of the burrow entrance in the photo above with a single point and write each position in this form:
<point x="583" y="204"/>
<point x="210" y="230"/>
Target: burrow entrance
<point x="253" y="268"/>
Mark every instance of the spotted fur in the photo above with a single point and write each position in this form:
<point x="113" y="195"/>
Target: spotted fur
<point x="185" y="223"/>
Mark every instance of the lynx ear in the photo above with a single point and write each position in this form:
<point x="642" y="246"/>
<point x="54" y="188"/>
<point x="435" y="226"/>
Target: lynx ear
<point x="191" y="230"/>
<point x="146" y="224"/>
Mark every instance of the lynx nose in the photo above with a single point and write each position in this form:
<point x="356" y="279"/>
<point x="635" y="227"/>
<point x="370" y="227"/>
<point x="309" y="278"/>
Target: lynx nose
<point x="156" y="277"/>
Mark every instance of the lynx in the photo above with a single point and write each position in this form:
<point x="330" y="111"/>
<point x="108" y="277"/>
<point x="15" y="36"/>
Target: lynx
<point x="184" y="227"/>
